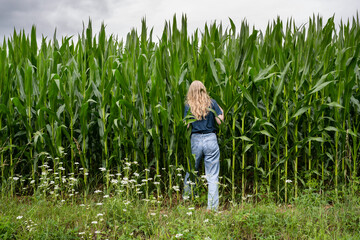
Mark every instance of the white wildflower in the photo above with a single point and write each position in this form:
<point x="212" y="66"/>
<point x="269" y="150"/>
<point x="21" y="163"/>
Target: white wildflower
<point x="114" y="181"/>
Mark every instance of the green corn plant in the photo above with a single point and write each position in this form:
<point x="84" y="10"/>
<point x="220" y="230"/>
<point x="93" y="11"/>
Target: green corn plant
<point x="164" y="115"/>
<point x="142" y="79"/>
<point x="4" y="79"/>
<point x="67" y="87"/>
<point x="286" y="107"/>
<point x="88" y="76"/>
<point x="6" y="116"/>
<point x="154" y="131"/>
<point x="289" y="94"/>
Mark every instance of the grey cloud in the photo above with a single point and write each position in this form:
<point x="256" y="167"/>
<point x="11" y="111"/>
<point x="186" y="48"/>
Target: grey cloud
<point x="122" y="15"/>
<point x="65" y="15"/>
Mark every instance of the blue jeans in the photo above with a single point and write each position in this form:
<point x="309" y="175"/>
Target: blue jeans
<point x="206" y="145"/>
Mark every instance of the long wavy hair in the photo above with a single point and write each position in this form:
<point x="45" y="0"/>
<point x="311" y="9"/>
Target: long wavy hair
<point x="198" y="100"/>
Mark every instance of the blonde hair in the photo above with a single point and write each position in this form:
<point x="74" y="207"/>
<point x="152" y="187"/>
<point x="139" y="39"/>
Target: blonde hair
<point x="198" y="100"/>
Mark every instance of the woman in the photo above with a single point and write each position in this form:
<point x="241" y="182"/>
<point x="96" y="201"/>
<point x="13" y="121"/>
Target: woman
<point x="203" y="138"/>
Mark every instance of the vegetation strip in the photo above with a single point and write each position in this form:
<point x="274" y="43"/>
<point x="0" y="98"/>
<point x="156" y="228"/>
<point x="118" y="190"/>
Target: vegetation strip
<point x="103" y="114"/>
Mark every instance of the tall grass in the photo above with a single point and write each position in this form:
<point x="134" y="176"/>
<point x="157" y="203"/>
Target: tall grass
<point x="290" y="96"/>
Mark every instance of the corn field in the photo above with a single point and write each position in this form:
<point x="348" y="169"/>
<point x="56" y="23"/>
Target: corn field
<point x="290" y="97"/>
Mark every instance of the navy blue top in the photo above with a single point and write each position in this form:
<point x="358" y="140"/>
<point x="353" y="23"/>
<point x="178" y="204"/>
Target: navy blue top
<point x="206" y="125"/>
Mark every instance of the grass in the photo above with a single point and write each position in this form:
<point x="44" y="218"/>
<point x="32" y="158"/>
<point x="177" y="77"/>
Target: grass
<point x="309" y="217"/>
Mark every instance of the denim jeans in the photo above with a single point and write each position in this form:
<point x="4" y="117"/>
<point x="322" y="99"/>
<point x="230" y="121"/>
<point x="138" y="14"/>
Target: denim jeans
<point x="206" y="145"/>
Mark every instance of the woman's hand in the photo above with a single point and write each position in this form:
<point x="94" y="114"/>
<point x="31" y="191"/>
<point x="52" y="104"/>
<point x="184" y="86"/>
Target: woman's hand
<point x="220" y="118"/>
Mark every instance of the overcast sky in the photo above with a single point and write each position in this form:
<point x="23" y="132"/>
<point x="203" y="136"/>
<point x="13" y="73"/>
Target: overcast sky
<point x="120" y="16"/>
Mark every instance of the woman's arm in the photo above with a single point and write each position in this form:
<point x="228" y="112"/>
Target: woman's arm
<point x="220" y="118"/>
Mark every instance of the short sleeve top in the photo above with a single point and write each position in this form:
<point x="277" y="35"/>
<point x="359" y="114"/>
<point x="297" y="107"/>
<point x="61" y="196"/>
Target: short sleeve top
<point x="206" y="125"/>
